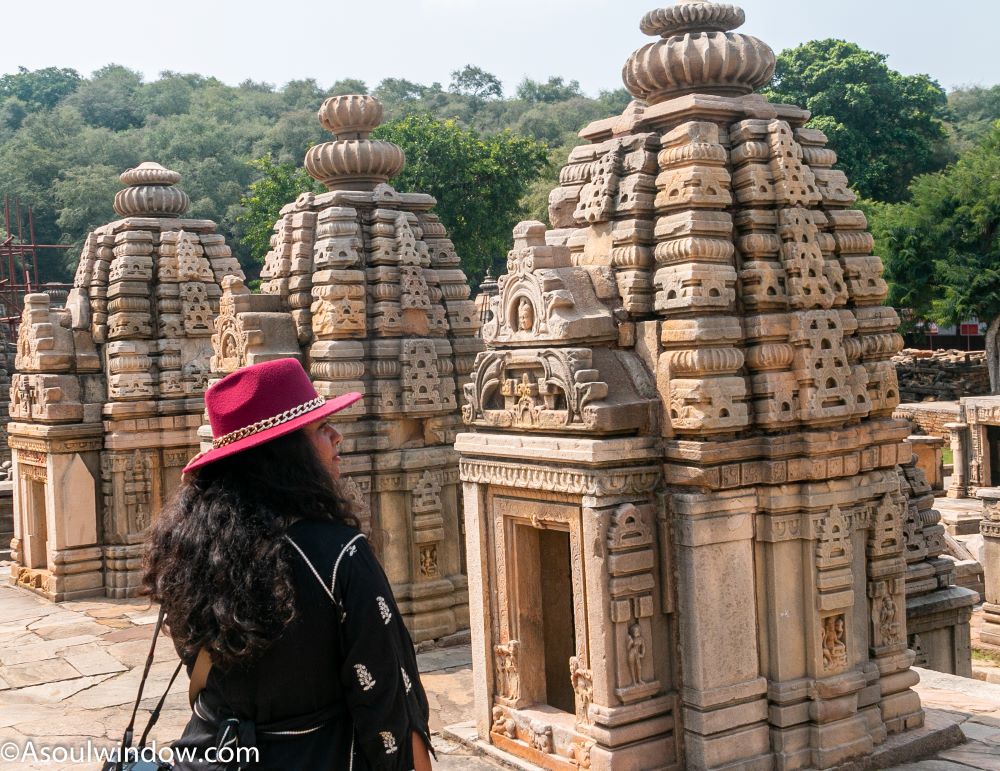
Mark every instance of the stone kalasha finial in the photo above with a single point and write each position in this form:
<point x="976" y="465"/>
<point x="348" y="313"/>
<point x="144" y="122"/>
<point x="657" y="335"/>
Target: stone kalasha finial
<point x="697" y="53"/>
<point x="353" y="162"/>
<point x="150" y="192"/>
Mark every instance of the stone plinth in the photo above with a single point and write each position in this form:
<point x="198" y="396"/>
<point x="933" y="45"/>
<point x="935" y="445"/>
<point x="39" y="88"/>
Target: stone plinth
<point x="929" y="457"/>
<point x="363" y="286"/>
<point x="990" y="529"/>
<point x="125" y="365"/>
<point x="56" y="549"/>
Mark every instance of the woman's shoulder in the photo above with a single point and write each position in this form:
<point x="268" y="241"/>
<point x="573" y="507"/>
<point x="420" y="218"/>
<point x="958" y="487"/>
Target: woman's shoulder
<point x="324" y="534"/>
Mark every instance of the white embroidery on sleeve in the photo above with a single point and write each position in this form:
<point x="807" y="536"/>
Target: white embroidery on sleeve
<point x="365" y="680"/>
<point x="389" y="741"/>
<point x="383" y="608"/>
<point x="406" y="680"/>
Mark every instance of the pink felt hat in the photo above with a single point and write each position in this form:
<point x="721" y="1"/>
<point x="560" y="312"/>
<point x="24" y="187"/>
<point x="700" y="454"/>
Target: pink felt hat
<point x="257" y="404"/>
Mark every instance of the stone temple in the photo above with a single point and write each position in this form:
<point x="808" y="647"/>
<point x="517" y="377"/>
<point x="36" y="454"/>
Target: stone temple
<point x="107" y="397"/>
<point x="685" y="525"/>
<point x="364" y="286"/>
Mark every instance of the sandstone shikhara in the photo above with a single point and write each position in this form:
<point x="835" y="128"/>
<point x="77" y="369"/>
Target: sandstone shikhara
<point x="364" y="286"/>
<point x="107" y="398"/>
<point x="683" y="474"/>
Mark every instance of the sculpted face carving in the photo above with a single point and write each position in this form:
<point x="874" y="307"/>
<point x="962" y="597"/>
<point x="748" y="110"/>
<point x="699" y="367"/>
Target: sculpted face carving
<point x="525" y="315"/>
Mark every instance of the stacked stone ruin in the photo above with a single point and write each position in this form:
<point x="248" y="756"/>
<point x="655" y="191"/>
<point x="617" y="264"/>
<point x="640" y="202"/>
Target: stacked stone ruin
<point x="108" y="392"/>
<point x="682" y="504"/>
<point x="364" y="286"/>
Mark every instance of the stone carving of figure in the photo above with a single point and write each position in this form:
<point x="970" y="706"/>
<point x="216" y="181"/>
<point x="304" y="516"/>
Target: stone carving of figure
<point x="887" y="620"/>
<point x="834" y="645"/>
<point x="525" y="315"/>
<point x="499" y="718"/>
<point x="541" y="738"/>
<point x="428" y="561"/>
<point x="508" y="680"/>
<point x="636" y="653"/>
<point x="583" y="686"/>
<point x="580" y="753"/>
<point x="26" y="395"/>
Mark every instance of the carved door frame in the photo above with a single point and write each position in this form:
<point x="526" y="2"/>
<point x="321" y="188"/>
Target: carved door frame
<point x="539" y="510"/>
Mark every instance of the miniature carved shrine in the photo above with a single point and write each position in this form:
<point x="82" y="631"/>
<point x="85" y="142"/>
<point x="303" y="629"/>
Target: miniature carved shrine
<point x="682" y="504"/>
<point x="364" y="286"/>
<point x="937" y="611"/>
<point x="107" y="397"/>
<point x="975" y="445"/>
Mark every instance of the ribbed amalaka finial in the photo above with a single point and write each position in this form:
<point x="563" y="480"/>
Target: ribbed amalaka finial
<point x="697" y="53"/>
<point x="353" y="162"/>
<point x="150" y="192"/>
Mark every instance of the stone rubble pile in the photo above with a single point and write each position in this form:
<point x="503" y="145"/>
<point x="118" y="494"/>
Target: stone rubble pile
<point x="941" y="375"/>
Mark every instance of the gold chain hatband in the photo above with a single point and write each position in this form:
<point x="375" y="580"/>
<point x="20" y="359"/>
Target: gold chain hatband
<point x="262" y="425"/>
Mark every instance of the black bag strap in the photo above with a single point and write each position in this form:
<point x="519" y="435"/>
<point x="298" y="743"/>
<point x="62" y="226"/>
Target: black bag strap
<point x="130" y="730"/>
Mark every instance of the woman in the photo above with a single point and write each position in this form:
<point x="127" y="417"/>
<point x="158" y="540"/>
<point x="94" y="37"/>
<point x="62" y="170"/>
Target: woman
<point x="259" y="565"/>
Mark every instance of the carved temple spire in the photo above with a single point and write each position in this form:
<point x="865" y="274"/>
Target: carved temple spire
<point x="150" y="192"/>
<point x="353" y="161"/>
<point x="697" y="52"/>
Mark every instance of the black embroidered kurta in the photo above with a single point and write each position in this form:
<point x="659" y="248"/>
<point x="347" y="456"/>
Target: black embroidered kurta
<point x="349" y="660"/>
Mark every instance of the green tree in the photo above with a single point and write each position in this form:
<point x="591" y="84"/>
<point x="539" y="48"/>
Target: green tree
<point x="885" y="127"/>
<point x="942" y="248"/>
<point x="478" y="182"/>
<point x="392" y="90"/>
<point x="973" y="111"/>
<point x="476" y="82"/>
<point x="276" y="185"/>
<point x="347" y="86"/>
<point x="39" y="89"/>
<point x="302" y="94"/>
<point x="84" y="196"/>
<point x="555" y="89"/>
<point x="110" y="98"/>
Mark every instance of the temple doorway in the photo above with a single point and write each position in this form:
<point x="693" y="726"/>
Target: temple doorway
<point x="35" y="548"/>
<point x="546" y="629"/>
<point x="557" y="616"/>
<point x="993" y="439"/>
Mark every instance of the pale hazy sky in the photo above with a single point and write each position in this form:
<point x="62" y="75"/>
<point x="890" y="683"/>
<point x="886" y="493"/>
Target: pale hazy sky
<point x="424" y="40"/>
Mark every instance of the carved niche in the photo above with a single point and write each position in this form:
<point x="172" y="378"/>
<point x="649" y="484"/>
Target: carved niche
<point x="544" y="298"/>
<point x="534" y="389"/>
<point x="631" y="565"/>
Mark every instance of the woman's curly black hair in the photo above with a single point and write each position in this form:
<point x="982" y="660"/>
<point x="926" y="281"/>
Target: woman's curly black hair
<point x="216" y="558"/>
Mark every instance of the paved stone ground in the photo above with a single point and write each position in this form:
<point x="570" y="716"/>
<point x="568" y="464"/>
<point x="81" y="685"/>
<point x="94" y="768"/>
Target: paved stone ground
<point x="68" y="673"/>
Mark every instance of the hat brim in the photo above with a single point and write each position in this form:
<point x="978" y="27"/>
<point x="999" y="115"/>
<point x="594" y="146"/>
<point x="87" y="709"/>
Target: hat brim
<point x="327" y="408"/>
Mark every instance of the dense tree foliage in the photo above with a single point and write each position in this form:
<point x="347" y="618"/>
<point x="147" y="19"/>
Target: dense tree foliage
<point x="942" y="248"/>
<point x="885" y="127"/>
<point x="973" y="111"/>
